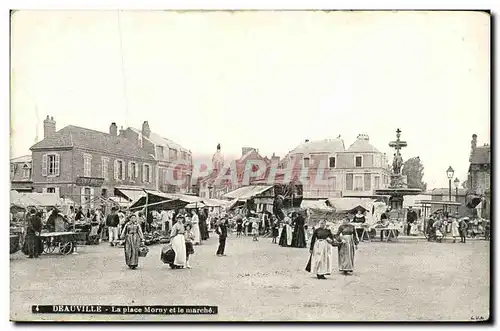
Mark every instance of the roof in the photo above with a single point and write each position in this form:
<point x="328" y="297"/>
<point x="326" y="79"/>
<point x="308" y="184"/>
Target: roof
<point x="348" y="204"/>
<point x="362" y="145"/>
<point x="161" y="141"/>
<point x="21" y="159"/>
<point x="320" y="146"/>
<point x="131" y="194"/>
<point x="446" y="191"/>
<point x="73" y="136"/>
<point x="481" y="155"/>
<point x="247" y="192"/>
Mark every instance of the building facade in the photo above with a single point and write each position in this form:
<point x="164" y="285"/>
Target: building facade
<point x="211" y="187"/>
<point x="21" y="179"/>
<point x="84" y="164"/>
<point x="326" y="169"/>
<point x="172" y="160"/>
<point x="479" y="178"/>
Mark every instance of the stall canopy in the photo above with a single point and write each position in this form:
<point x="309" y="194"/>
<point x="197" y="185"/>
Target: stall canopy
<point x="34" y="199"/>
<point x="129" y="193"/>
<point x="208" y="203"/>
<point x="346" y="205"/>
<point x="247" y="192"/>
<point x="159" y="200"/>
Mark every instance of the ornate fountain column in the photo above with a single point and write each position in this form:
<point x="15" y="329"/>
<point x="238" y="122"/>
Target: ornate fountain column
<point x="398" y="187"/>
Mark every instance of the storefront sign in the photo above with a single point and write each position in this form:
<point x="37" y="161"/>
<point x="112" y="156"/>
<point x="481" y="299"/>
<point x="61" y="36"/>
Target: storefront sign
<point x="89" y="181"/>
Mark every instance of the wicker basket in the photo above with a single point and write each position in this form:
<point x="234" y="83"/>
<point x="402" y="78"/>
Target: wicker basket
<point x="143" y="251"/>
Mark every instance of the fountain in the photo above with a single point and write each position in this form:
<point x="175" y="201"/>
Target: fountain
<point x="398" y="187"/>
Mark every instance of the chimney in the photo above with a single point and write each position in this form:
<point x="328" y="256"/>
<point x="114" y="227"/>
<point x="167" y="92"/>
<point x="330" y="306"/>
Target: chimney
<point x="218" y="147"/>
<point x="113" y="129"/>
<point x="473" y="145"/>
<point x="49" y="127"/>
<point x="146" y="131"/>
<point x="363" y="136"/>
<point x="307" y="140"/>
<point x="122" y="132"/>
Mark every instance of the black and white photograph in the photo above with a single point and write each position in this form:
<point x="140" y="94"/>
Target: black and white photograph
<point x="250" y="165"/>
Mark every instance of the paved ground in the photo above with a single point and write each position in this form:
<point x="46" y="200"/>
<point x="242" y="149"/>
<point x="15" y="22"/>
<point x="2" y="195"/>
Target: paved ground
<point x="260" y="281"/>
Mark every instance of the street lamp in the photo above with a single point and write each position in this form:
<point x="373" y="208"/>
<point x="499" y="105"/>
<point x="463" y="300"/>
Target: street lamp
<point x="457" y="184"/>
<point x="449" y="173"/>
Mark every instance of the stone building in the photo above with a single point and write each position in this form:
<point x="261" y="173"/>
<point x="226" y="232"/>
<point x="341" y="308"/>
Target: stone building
<point x="327" y="169"/>
<point x="21" y="179"/>
<point x="479" y="178"/>
<point x="82" y="164"/>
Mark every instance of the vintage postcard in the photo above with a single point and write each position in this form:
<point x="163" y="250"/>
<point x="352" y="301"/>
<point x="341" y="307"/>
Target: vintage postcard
<point x="250" y="166"/>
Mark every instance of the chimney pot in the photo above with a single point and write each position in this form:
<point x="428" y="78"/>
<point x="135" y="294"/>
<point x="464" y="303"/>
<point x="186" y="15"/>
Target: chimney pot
<point x="113" y="129"/>
<point x="307" y="140"/>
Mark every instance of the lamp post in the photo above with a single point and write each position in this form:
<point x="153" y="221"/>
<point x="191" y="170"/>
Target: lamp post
<point x="457" y="184"/>
<point x="449" y="173"/>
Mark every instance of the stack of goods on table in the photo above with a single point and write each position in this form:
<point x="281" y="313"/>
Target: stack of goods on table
<point x="151" y="239"/>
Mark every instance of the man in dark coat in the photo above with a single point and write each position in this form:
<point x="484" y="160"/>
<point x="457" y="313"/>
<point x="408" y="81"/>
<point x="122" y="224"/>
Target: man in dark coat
<point x="411" y="217"/>
<point x="221" y="230"/>
<point x="32" y="239"/>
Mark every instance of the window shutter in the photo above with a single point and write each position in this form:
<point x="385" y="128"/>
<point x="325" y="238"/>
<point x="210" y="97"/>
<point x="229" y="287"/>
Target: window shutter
<point x="123" y="169"/>
<point x="130" y="171"/>
<point x="116" y="169"/>
<point x="82" y="195"/>
<point x="58" y="192"/>
<point x="150" y="179"/>
<point x="57" y="167"/>
<point x="44" y="190"/>
<point x="44" y="165"/>
<point x="368" y="182"/>
<point x="349" y="182"/>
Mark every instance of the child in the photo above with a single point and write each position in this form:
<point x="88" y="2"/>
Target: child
<point x="188" y="238"/>
<point x="275" y="231"/>
<point x="255" y="230"/>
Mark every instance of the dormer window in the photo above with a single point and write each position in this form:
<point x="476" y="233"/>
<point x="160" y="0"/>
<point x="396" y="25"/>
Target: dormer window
<point x="26" y="171"/>
<point x="332" y="162"/>
<point x="358" y="161"/>
<point x="306" y="162"/>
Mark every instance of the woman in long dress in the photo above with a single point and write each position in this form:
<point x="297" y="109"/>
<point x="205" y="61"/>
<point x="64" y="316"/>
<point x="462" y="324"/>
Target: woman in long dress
<point x="32" y="238"/>
<point x="299" y="235"/>
<point x="178" y="243"/>
<point x="195" y="223"/>
<point x="349" y="241"/>
<point x="454" y="230"/>
<point x="321" y="260"/>
<point x="286" y="233"/>
<point x="132" y="233"/>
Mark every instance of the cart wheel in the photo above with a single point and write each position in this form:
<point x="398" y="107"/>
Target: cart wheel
<point x="66" y="248"/>
<point x="48" y="248"/>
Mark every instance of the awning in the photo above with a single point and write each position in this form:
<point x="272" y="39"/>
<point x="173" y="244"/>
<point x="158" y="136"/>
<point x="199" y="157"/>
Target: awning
<point x="167" y="201"/>
<point x="316" y="205"/>
<point x="350" y="204"/>
<point x="129" y="194"/>
<point x="247" y="192"/>
<point x="34" y="199"/>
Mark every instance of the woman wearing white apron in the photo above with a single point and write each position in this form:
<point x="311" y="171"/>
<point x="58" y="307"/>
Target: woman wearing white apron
<point x="195" y="222"/>
<point x="178" y="243"/>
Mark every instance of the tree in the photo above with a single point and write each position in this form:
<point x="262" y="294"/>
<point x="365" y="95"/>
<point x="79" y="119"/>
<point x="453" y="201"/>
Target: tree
<point x="414" y="170"/>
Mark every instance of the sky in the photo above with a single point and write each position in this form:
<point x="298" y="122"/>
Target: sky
<point x="267" y="80"/>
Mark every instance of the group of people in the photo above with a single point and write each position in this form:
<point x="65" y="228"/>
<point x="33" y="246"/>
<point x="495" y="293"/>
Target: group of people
<point x="322" y="242"/>
<point x="293" y="231"/>
<point x="437" y="228"/>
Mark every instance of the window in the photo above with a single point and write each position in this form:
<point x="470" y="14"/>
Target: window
<point x="159" y="153"/>
<point x="87" y="165"/>
<point x="146" y="173"/>
<point x="50" y="164"/>
<point x="332" y="161"/>
<point x="368" y="182"/>
<point x="306" y="162"/>
<point x="104" y="193"/>
<point x="51" y="190"/>
<point x="358" y="183"/>
<point x="377" y="161"/>
<point x="173" y="155"/>
<point x="358" y="162"/>
<point x="333" y="183"/>
<point x="133" y="171"/>
<point x="119" y="169"/>
<point x="376" y="182"/>
<point x="26" y="171"/>
<point x="12" y="170"/>
<point x="105" y="170"/>
<point x="349" y="182"/>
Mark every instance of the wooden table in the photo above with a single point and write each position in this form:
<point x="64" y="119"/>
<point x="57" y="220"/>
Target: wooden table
<point x="389" y="232"/>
